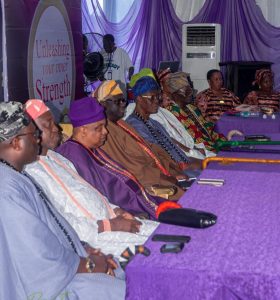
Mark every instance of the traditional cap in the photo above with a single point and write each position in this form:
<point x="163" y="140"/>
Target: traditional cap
<point x="176" y="81"/>
<point x="144" y="72"/>
<point x="12" y="119"/>
<point x="106" y="90"/>
<point x="163" y="74"/>
<point x="85" y="111"/>
<point x="260" y="74"/>
<point x="145" y="85"/>
<point x="35" y="108"/>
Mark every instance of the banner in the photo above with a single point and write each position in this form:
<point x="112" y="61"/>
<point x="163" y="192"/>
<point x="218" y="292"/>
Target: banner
<point x="44" y="51"/>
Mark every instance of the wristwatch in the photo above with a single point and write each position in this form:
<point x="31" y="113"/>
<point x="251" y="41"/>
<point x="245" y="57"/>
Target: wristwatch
<point x="90" y="265"/>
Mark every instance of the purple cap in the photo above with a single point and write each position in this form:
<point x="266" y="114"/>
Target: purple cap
<point x="85" y="111"/>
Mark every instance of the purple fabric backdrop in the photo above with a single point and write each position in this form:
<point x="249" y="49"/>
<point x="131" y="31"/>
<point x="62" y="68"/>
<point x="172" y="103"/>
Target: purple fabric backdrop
<point x="246" y="35"/>
<point x="150" y="32"/>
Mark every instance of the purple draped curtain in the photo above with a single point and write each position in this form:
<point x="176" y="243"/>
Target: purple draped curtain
<point x="246" y="35"/>
<point x="151" y="31"/>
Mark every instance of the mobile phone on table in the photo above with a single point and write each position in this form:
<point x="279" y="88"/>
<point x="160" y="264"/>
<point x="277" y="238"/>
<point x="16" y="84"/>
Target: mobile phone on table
<point x="257" y="137"/>
<point x="172" y="248"/>
<point x="185" y="184"/>
<point x="171" y="238"/>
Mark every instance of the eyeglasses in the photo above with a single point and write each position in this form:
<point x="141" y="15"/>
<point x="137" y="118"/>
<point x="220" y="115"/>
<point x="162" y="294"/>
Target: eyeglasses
<point x="117" y="101"/>
<point x="153" y="97"/>
<point x="36" y="134"/>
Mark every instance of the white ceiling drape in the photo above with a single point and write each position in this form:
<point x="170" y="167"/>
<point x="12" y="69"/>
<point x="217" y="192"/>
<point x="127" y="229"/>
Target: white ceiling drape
<point x="270" y="10"/>
<point x="186" y="10"/>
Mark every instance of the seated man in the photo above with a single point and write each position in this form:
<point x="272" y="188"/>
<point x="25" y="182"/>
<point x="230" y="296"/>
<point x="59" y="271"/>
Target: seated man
<point x="41" y="254"/>
<point x="166" y="118"/>
<point x="176" y="131"/>
<point x="176" y="87"/>
<point x="147" y="93"/>
<point x="97" y="168"/>
<point x="148" y="162"/>
<point x="96" y="221"/>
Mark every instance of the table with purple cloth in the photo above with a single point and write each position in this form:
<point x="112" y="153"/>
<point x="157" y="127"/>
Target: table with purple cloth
<point x="248" y="125"/>
<point x="238" y="258"/>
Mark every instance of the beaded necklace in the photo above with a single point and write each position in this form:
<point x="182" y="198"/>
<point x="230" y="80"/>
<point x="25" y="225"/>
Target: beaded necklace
<point x="47" y="203"/>
<point x="164" y="141"/>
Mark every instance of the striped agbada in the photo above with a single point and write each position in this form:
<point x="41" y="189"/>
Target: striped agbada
<point x="263" y="100"/>
<point x="266" y="97"/>
<point x="216" y="104"/>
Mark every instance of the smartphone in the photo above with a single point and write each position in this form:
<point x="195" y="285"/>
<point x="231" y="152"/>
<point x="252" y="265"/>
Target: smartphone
<point x="172" y="248"/>
<point x="184" y="184"/>
<point x="171" y="238"/>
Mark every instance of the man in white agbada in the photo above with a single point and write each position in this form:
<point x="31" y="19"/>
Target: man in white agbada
<point x="41" y="256"/>
<point x="101" y="224"/>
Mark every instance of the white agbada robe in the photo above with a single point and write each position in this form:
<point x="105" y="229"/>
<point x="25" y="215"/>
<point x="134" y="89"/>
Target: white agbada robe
<point x="82" y="205"/>
<point x="176" y="130"/>
<point x="36" y="258"/>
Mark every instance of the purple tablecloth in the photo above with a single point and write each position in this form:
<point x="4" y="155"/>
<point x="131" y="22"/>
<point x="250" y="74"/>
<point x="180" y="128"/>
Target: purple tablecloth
<point x="252" y="125"/>
<point x="238" y="258"/>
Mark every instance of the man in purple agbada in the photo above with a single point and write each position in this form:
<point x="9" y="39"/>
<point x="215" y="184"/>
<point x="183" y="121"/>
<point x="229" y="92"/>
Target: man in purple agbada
<point x="96" y="167"/>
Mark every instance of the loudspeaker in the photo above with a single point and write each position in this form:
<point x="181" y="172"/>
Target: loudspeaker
<point x="239" y="75"/>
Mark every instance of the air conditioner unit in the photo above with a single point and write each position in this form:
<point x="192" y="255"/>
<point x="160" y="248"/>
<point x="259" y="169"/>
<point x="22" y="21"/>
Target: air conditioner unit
<point x="200" y="51"/>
